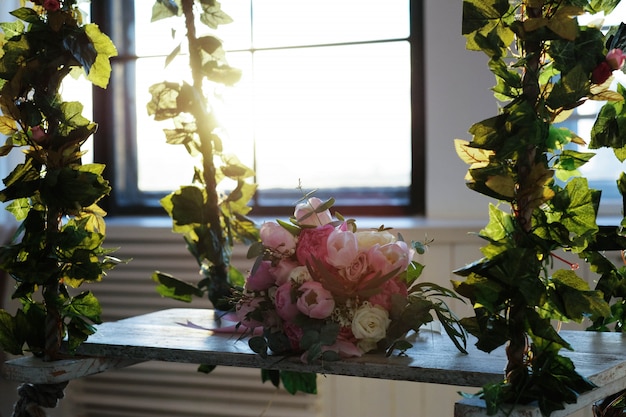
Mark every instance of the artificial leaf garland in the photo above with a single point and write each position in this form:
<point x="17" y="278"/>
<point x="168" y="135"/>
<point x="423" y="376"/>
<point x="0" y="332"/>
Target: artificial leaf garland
<point x="546" y="64"/>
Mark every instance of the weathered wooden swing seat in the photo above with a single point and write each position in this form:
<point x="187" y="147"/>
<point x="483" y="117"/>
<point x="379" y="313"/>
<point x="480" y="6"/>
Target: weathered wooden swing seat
<point x="172" y="336"/>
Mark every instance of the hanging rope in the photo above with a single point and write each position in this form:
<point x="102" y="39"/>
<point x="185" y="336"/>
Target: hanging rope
<point x="32" y="397"/>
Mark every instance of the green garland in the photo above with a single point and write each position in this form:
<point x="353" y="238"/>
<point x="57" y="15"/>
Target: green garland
<point x="59" y="241"/>
<point x="545" y="65"/>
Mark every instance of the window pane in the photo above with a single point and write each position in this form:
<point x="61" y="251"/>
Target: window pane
<point x="333" y="117"/>
<point x="307" y="22"/>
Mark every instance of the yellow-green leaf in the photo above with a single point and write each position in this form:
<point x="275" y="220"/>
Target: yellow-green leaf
<point x="100" y="71"/>
<point x="7" y="125"/>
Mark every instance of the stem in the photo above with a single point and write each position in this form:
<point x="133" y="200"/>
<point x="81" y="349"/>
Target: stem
<point x="219" y="283"/>
<point x="517" y="350"/>
<point x="54" y="320"/>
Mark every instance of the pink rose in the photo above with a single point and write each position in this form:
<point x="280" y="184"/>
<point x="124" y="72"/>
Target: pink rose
<point x="51" y="5"/>
<point x="356" y="269"/>
<point x="282" y="270"/>
<point x="601" y="73"/>
<point x="276" y="237"/>
<point x="285" y="306"/>
<point x="305" y="213"/>
<point x="343" y="248"/>
<point x="615" y="59"/>
<point x="386" y="258"/>
<point x="261" y="279"/>
<point x="315" y="301"/>
<point x="383" y="298"/>
<point x="312" y="244"/>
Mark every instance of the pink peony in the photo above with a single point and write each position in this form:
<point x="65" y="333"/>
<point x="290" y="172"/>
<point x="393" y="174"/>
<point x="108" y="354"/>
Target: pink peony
<point x="262" y="278"/>
<point x="51" y="5"/>
<point x="276" y="237"/>
<point x="615" y="58"/>
<point x="315" y="301"/>
<point x="343" y="248"/>
<point x="386" y="258"/>
<point x="312" y="244"/>
<point x="285" y="305"/>
<point x="305" y="213"/>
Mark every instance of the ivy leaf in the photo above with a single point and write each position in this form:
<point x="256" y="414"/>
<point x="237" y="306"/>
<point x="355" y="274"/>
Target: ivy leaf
<point x="174" y="288"/>
<point x="563" y="23"/>
<point x="100" y="71"/>
<point x="26" y="14"/>
<point x="9" y="340"/>
<point x="299" y="381"/>
<point x="162" y="9"/>
<point x="570" y="160"/>
<point x="578" y="300"/>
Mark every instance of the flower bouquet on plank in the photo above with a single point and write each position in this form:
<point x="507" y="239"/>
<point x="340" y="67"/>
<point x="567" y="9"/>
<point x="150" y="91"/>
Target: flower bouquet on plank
<point x="326" y="290"/>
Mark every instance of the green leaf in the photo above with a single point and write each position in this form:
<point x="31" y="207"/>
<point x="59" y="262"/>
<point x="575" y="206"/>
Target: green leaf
<point x="578" y="300"/>
<point x="85" y="305"/>
<point x="258" y="345"/>
<point x="162" y="9"/>
<point x="171" y="287"/>
<point x="26" y="14"/>
<point x="299" y="381"/>
<point x="272" y="375"/>
<point x="9" y="338"/>
<point x="571" y="160"/>
<point x="100" y="71"/>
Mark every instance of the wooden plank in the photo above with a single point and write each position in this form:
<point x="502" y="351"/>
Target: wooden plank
<point x="34" y="370"/>
<point x="163" y="336"/>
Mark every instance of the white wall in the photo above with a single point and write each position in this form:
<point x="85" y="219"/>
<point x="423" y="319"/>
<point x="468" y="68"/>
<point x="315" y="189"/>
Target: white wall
<point x="458" y="95"/>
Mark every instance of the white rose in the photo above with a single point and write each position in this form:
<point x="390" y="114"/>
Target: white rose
<point x="368" y="238"/>
<point x="300" y="274"/>
<point x="370" y="323"/>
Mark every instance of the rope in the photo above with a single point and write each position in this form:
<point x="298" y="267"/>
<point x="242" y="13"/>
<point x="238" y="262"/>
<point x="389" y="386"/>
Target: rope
<point x="35" y="396"/>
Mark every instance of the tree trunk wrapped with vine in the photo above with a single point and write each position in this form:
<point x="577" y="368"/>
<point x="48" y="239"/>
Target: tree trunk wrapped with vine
<point x="546" y="64"/>
<point x="210" y="221"/>
<point x="52" y="193"/>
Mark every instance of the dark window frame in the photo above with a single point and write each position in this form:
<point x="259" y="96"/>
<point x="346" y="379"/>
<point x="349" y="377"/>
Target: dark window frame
<point x="116" y="18"/>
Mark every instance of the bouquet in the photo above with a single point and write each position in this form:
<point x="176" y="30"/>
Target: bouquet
<point x="324" y="289"/>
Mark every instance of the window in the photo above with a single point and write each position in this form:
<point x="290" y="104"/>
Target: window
<point x="330" y="97"/>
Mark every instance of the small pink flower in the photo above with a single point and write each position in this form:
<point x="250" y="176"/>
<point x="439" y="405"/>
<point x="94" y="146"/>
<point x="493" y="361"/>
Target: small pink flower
<point x="282" y="270"/>
<point x="312" y="244"/>
<point x="601" y="73"/>
<point x="615" y="59"/>
<point x="39" y="135"/>
<point x="343" y="248"/>
<point x="305" y="208"/>
<point x="286" y="308"/>
<point x="51" y="5"/>
<point x="244" y="310"/>
<point x="315" y="301"/>
<point x="276" y="237"/>
<point x="261" y="279"/>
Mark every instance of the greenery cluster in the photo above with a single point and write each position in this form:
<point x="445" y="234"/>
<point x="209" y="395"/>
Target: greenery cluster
<point x="58" y="245"/>
<point x="209" y="220"/>
<point x="546" y="64"/>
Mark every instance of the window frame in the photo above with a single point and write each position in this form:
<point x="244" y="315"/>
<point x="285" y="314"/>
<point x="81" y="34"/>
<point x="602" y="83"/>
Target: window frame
<point x="114" y="144"/>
